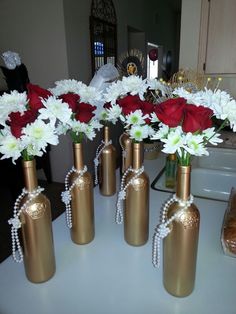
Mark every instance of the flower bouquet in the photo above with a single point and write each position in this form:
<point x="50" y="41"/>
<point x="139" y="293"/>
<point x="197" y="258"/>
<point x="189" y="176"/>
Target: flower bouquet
<point x="26" y="134"/>
<point x="76" y="115"/>
<point x="186" y="128"/>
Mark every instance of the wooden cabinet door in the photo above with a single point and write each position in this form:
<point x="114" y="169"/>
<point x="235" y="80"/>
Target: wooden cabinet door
<point x="218" y="30"/>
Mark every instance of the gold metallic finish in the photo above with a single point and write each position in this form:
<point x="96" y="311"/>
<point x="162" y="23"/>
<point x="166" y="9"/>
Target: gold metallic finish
<point x="36" y="220"/>
<point x="107" y="167"/>
<point x="82" y="203"/>
<point x="136" y="205"/>
<point x="180" y="246"/>
<point x="126" y="145"/>
<point x="30" y="176"/>
<point x="171" y="157"/>
<point x="137" y="155"/>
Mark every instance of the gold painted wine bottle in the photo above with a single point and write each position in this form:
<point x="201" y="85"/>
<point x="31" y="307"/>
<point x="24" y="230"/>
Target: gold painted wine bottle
<point x="136" y="204"/>
<point x="36" y="220"/>
<point x="107" y="167"/>
<point x="180" y="245"/>
<point x="82" y="203"/>
<point x="126" y="145"/>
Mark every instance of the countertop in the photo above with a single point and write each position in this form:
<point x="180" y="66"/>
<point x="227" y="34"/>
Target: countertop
<point x="108" y="276"/>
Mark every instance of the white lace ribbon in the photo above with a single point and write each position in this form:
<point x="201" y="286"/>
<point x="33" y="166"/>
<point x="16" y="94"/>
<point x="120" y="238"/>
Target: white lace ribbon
<point x="16" y="223"/>
<point x="162" y="229"/>
<point x="66" y="195"/>
<point x="122" y="192"/>
<point x="96" y="159"/>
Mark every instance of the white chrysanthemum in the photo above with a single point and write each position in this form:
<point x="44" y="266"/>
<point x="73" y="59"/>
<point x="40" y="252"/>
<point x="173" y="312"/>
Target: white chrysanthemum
<point x="212" y="137"/>
<point x="114" y="113"/>
<point x="62" y="128"/>
<point x="158" y="85"/>
<point x="162" y="132"/>
<point x="12" y="102"/>
<point x="134" y="85"/>
<point x="135" y="118"/>
<point x="154" y="117"/>
<point x="139" y="132"/>
<point x="10" y="147"/>
<point x="55" y="109"/>
<point x="66" y="86"/>
<point x="216" y="100"/>
<point x="229" y="112"/>
<point x="113" y="92"/>
<point x="174" y="141"/>
<point x="89" y="94"/>
<point x="39" y="134"/>
<point x="95" y="124"/>
<point x="103" y="115"/>
<point x="194" y="144"/>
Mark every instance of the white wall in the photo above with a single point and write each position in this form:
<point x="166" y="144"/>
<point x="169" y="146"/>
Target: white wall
<point x="53" y="40"/>
<point x="35" y="29"/>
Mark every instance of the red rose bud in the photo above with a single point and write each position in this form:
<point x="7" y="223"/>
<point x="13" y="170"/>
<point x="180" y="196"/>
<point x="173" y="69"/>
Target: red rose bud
<point x="18" y="121"/>
<point x="129" y="104"/>
<point x="35" y="93"/>
<point x="82" y="106"/>
<point x="84" y="116"/>
<point x="171" y="111"/>
<point x="147" y="107"/>
<point x="71" y="99"/>
<point x="196" y="118"/>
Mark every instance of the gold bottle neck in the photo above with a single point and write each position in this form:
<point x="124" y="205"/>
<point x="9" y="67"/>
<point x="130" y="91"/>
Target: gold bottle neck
<point x="183" y="182"/>
<point x="30" y="175"/>
<point x="106" y="134"/>
<point x="137" y="155"/>
<point x="78" y="156"/>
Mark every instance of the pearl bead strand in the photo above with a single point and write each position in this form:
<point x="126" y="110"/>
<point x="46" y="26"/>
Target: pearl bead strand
<point x="123" y="188"/>
<point x="162" y="230"/>
<point x="16" y="223"/>
<point x="96" y="159"/>
<point x="66" y="195"/>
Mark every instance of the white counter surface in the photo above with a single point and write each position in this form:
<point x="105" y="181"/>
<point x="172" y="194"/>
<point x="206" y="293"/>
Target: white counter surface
<point x="109" y="276"/>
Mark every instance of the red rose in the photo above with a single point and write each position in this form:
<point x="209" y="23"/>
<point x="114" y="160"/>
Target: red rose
<point x="18" y="121"/>
<point x="35" y="93"/>
<point x="71" y="99"/>
<point x="147" y="108"/>
<point x="129" y="104"/>
<point x="84" y="112"/>
<point x="196" y="118"/>
<point x="171" y="111"/>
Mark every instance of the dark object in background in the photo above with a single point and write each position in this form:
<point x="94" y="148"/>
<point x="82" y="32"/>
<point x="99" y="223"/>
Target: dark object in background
<point x="16" y="79"/>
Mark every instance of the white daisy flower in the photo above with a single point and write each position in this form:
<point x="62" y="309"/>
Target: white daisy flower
<point x="154" y="117"/>
<point x="194" y="144"/>
<point x="89" y="94"/>
<point x="66" y="86"/>
<point x="135" y="118"/>
<point x="10" y="147"/>
<point x="134" y="85"/>
<point x="12" y="102"/>
<point x="211" y="136"/>
<point x="162" y="132"/>
<point x="39" y="134"/>
<point x="174" y="141"/>
<point x="114" y="113"/>
<point x="55" y="109"/>
<point x="139" y="132"/>
<point x="113" y="92"/>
